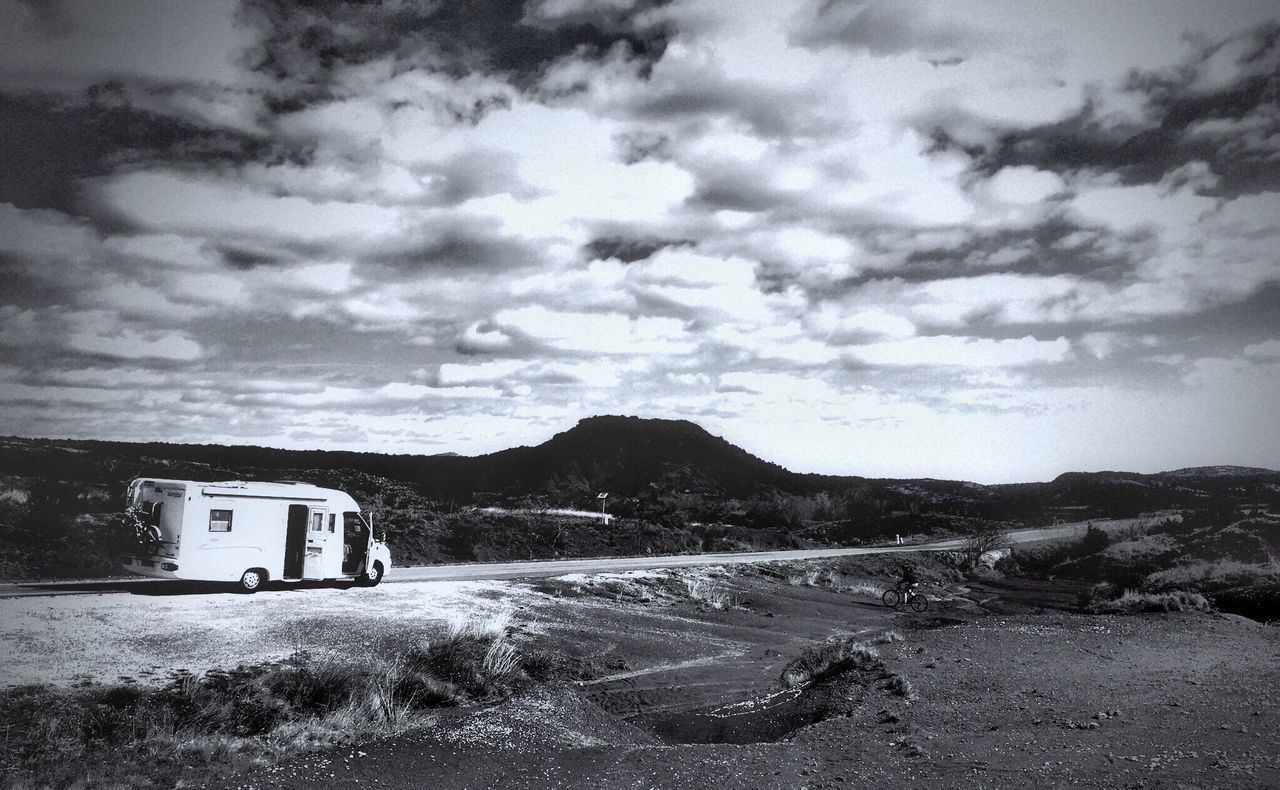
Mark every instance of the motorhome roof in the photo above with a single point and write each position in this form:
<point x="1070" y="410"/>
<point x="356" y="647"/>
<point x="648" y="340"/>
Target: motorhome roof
<point x="290" y="488"/>
<point x="294" y="490"/>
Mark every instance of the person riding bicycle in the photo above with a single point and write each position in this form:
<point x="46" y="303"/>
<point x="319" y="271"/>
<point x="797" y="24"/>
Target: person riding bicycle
<point x="909" y="579"/>
<point x="905" y="592"/>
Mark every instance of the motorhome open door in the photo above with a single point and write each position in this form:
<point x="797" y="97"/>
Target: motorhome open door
<point x="313" y="566"/>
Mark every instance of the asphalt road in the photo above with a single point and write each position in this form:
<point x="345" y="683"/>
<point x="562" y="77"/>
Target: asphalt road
<point x="523" y="570"/>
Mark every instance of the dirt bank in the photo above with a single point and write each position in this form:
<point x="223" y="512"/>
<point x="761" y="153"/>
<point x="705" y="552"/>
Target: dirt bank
<point x="998" y="685"/>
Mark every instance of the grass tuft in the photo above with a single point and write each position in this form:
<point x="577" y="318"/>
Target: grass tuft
<point x="1133" y="601"/>
<point x="710" y="593"/>
<point x="491" y="626"/>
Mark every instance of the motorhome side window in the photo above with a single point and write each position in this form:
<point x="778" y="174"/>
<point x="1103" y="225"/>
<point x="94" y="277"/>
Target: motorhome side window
<point x="333" y="522"/>
<point x="219" y="520"/>
<point x="317" y="522"/>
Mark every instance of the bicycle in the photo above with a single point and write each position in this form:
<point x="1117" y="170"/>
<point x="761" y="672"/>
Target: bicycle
<point x="897" y="595"/>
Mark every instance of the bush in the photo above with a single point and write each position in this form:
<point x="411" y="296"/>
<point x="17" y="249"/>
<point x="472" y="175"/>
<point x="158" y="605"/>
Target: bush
<point x="837" y="655"/>
<point x="1133" y="602"/>
<point x="710" y="592"/>
<point x="983" y="538"/>
<point x="1140" y="550"/>
<point x="1206" y="575"/>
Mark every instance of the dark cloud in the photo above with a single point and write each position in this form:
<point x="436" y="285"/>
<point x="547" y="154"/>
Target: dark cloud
<point x="888" y="28"/>
<point x="246" y="256"/>
<point x="768" y="116"/>
<point x="1177" y="107"/>
<point x="50" y="18"/>
<point x="1229" y="326"/>
<point x="49" y="144"/>
<point x="628" y="250"/>
<point x="643" y="145"/>
<point x="1053" y="247"/>
<point x="305" y="41"/>
<point x="474" y="174"/>
<point x="472" y="246"/>
<point x="738" y="190"/>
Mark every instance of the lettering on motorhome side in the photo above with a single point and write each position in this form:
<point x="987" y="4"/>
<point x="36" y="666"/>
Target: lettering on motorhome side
<point x="251" y="532"/>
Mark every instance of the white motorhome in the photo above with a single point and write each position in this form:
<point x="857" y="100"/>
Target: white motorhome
<point x="250" y="533"/>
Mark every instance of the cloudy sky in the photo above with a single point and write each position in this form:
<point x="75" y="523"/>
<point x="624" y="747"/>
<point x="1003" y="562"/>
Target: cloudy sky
<point x="988" y="241"/>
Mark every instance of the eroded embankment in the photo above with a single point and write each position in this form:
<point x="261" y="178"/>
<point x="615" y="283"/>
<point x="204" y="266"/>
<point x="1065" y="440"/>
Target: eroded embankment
<point x="766" y="677"/>
<point x="214" y="674"/>
<point x="999" y="684"/>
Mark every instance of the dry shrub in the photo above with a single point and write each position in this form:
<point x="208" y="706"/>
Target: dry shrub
<point x="494" y="624"/>
<point x="1213" y="574"/>
<point x="811" y="577"/>
<point x="710" y="592"/>
<point x="864" y="588"/>
<point x="838" y="655"/>
<point x="1133" y="601"/>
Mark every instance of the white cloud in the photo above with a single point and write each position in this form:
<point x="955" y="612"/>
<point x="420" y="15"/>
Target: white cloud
<point x="178" y="203"/>
<point x="952" y="351"/>
<point x="783" y="386"/>
<point x="1024" y="185"/>
<point x="492" y="371"/>
<point x="401" y="391"/>
<point x="600" y="333"/>
<point x="786" y="342"/>
<point x="1129" y="208"/>
<point x="866" y="322"/>
<point x="131" y="344"/>
<point x="700" y="285"/>
<point x="1268" y="349"/>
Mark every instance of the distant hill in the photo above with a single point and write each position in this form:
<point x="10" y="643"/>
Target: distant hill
<point x="1127" y="493"/>
<point x="623" y="455"/>
<point x="1205" y="472"/>
<point x="628" y="457"/>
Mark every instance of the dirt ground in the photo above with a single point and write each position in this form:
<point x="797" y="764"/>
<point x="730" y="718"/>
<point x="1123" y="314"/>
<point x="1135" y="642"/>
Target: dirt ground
<point x="144" y="638"/>
<point x="999" y="684"/>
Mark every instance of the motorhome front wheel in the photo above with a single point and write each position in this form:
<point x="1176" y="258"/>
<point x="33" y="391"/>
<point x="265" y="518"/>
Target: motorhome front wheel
<point x="374" y="575"/>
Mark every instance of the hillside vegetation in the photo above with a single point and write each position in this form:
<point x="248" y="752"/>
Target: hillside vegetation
<point x="1234" y="565"/>
<point x="673" y="488"/>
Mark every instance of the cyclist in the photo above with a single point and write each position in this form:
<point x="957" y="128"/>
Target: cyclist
<point x="909" y="580"/>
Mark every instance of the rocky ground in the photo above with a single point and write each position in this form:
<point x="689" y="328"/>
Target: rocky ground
<point x="998" y="685"/>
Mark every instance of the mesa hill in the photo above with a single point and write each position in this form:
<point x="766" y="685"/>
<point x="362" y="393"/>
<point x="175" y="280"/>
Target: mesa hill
<point x="629" y="456"/>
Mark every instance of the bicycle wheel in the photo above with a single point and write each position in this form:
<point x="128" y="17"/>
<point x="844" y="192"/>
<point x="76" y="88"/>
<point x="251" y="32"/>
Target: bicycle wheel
<point x="918" y="603"/>
<point x="891" y="598"/>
